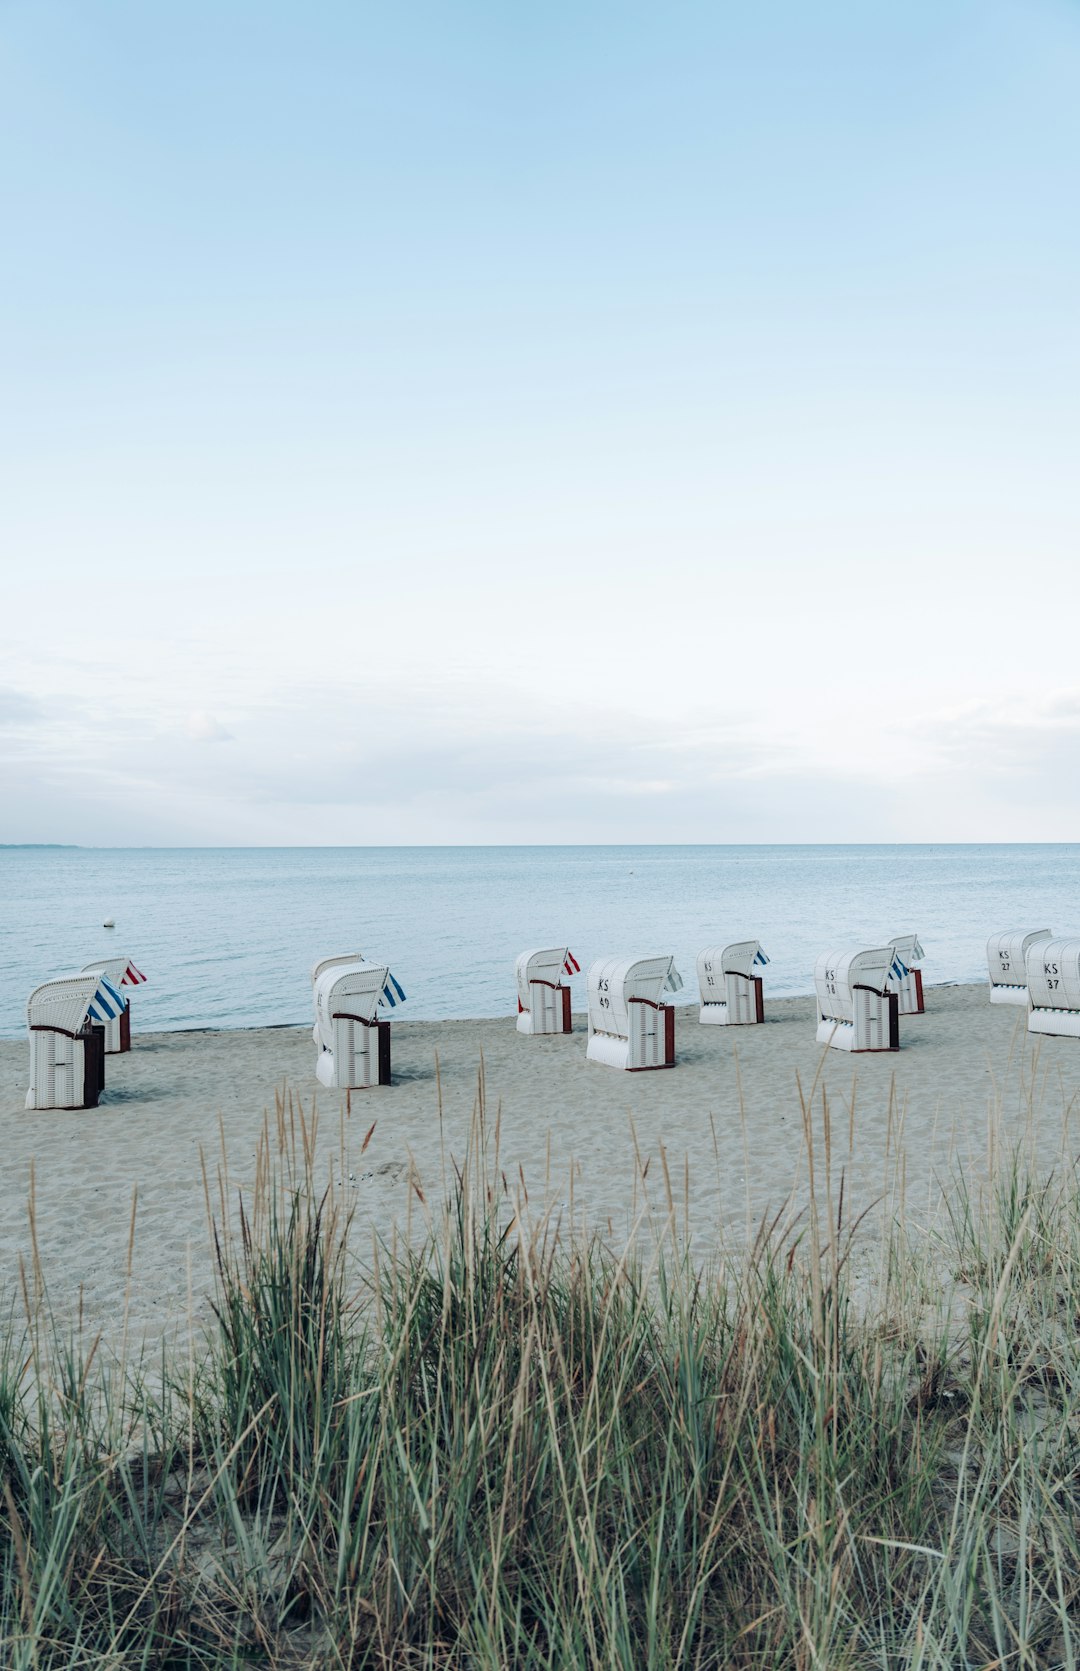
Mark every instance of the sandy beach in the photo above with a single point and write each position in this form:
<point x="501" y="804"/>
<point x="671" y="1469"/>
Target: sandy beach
<point x="725" y="1125"/>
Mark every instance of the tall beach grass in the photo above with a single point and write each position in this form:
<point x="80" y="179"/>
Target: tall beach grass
<point x="501" y="1443"/>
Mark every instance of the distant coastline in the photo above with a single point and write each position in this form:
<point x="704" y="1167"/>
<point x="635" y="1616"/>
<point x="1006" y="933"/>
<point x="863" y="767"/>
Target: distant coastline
<point x="21" y="846"/>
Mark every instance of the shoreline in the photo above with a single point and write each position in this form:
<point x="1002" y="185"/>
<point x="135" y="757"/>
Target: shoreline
<point x="464" y="1020"/>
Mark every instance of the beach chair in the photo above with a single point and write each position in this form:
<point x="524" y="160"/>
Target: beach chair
<point x="354" y="1044"/>
<point x="319" y="969"/>
<point x="1006" y="958"/>
<point x="543" y="999"/>
<point x="629" y="1024"/>
<point x="1053" y="982"/>
<point x="121" y="973"/>
<point x="66" y="1019"/>
<point x="731" y="989"/>
<point x="908" y="985"/>
<point x="856" y="1009"/>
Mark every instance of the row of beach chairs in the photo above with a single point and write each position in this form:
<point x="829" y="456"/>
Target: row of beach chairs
<point x="77" y="1020"/>
<point x="861" y="993"/>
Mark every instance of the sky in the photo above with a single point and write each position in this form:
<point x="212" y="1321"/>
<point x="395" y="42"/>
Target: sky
<point x="556" y="423"/>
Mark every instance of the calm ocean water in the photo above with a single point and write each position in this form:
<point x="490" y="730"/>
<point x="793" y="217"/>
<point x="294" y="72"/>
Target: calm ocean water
<point x="227" y="936"/>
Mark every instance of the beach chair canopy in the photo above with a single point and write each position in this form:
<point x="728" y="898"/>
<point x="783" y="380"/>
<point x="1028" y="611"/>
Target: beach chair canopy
<point x="1053" y="974"/>
<point x="333" y="962"/>
<point x="613" y="982"/>
<point x="908" y="949"/>
<point x="742" y="957"/>
<point x="120" y="971"/>
<point x="838" y="973"/>
<point x="555" y="965"/>
<point x="354" y="990"/>
<point x="1006" y="954"/>
<point x="66" y="1004"/>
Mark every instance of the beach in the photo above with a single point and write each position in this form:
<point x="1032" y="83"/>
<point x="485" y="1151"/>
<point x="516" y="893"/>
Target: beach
<point x="110" y="1206"/>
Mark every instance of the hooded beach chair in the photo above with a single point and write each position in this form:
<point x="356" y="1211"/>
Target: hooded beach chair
<point x="66" y="1019"/>
<point x="320" y="969"/>
<point x="121" y="973"/>
<point x="1006" y="959"/>
<point x="856" y="1009"/>
<point x="1053" y="983"/>
<point x="354" y="1044"/>
<point x="543" y="995"/>
<point x="731" y="989"/>
<point x="629" y="1024"/>
<point x="908" y="985"/>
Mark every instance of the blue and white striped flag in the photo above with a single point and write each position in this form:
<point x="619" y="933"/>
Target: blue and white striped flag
<point x="392" y="992"/>
<point x="107" y="1003"/>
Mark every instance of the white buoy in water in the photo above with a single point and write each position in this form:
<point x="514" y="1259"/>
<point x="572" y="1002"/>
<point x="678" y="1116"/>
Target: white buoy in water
<point x="110" y="922"/>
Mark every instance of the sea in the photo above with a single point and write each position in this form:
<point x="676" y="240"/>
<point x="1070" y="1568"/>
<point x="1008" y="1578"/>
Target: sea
<point x="227" y="936"/>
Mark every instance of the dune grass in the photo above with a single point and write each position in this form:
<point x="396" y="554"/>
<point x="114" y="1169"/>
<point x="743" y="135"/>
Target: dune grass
<point x="505" y="1445"/>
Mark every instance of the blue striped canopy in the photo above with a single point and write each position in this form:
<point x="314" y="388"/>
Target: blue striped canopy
<point x="107" y="1003"/>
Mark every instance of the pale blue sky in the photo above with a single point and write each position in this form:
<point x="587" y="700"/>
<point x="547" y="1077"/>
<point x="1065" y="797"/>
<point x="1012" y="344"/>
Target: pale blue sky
<point x="603" y="422"/>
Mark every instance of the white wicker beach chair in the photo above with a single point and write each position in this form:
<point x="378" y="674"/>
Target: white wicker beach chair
<point x="629" y="1024"/>
<point x="543" y="997"/>
<point x="66" y="1019"/>
<point x="354" y="1044"/>
<point x="1053" y="983"/>
<point x="1006" y="959"/>
<point x="908" y="984"/>
<point x="732" y="994"/>
<point x="856" y="1009"/>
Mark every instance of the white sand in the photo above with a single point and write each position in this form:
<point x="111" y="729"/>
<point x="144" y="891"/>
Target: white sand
<point x="964" y="1070"/>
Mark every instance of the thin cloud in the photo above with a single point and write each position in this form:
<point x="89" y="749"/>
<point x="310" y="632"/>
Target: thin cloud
<point x="16" y="708"/>
<point x="350" y="764"/>
<point x="202" y="727"/>
<point x="1014" y="734"/>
